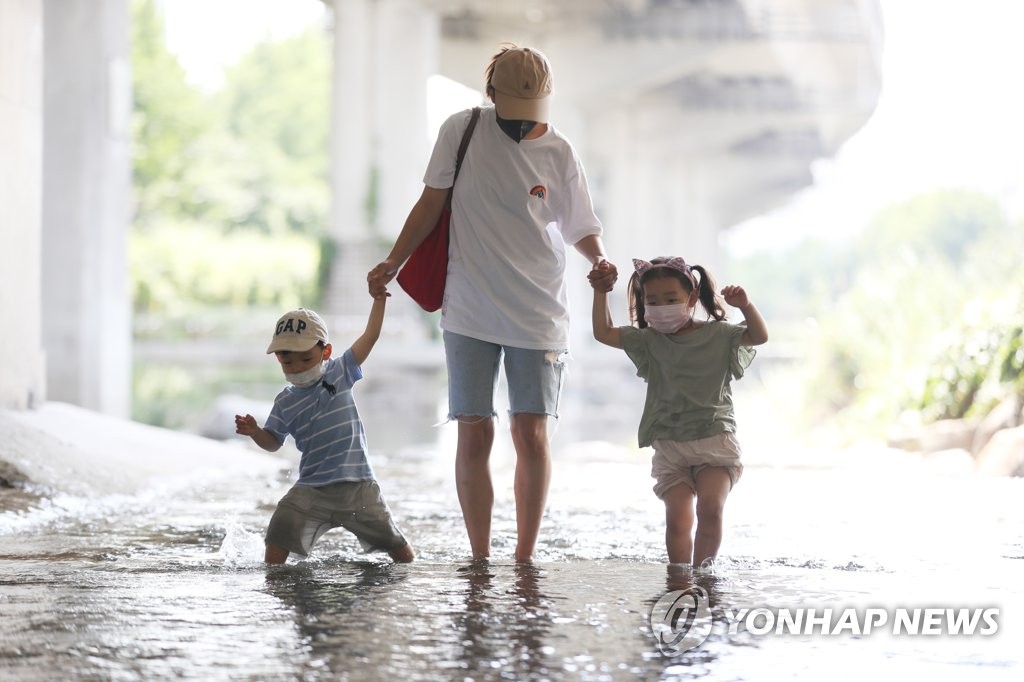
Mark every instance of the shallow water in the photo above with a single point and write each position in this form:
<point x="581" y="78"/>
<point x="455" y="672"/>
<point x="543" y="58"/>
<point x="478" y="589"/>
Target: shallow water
<point x="170" y="585"/>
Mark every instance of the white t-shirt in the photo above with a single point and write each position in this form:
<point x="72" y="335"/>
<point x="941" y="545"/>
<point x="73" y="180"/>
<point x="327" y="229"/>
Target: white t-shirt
<point x="514" y="210"/>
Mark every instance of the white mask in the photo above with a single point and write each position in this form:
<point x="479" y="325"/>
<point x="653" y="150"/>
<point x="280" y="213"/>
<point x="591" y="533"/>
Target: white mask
<point x="307" y="378"/>
<point x="667" y="319"/>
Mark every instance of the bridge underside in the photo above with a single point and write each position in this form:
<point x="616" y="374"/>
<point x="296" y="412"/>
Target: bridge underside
<point x="690" y="116"/>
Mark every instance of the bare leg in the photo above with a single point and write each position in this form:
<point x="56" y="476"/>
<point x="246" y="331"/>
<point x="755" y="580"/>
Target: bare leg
<point x="473" y="481"/>
<point x="679" y="524"/>
<point x="713" y="485"/>
<point x="275" y="554"/>
<point x="403" y="554"/>
<point x="533" y="476"/>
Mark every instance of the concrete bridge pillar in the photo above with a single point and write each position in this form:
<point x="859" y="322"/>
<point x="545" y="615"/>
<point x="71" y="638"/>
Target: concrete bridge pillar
<point x="86" y="321"/>
<point x="383" y="54"/>
<point x="22" y="360"/>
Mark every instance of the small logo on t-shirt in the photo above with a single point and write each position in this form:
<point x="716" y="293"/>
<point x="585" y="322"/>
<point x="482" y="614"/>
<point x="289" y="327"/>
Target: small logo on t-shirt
<point x="538" y="191"/>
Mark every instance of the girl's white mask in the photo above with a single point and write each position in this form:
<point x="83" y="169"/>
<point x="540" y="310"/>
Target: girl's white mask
<point x="667" y="319"/>
<point x="307" y="378"/>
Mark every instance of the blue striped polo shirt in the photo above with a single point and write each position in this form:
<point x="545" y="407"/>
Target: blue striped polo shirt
<point x="325" y="424"/>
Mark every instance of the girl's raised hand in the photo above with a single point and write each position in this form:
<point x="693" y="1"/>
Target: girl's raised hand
<point x="735" y="296"/>
<point x="602" y="276"/>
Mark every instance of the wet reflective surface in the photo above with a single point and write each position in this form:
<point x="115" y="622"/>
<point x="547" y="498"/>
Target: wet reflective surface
<point x="171" y="584"/>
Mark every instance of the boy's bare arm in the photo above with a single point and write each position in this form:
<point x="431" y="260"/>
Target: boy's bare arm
<point x="247" y="426"/>
<point x="364" y="344"/>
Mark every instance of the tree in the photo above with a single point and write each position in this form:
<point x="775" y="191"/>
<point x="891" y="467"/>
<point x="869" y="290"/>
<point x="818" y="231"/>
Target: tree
<point x="943" y="223"/>
<point x="169" y="119"/>
<point x="276" y="103"/>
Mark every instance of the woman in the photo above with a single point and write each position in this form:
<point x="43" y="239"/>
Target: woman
<point x="521" y="196"/>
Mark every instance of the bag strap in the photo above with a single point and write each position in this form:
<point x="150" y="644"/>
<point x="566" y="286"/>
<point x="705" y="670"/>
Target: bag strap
<point x="462" y="149"/>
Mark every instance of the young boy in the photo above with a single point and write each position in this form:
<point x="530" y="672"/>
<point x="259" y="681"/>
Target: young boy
<point x="336" y="485"/>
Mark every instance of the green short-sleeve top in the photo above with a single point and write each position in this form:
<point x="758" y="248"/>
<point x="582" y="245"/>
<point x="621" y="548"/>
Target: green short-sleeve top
<point x="688" y="379"/>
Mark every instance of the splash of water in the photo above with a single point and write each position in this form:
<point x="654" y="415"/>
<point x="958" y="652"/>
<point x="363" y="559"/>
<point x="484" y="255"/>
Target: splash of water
<point x="240" y="547"/>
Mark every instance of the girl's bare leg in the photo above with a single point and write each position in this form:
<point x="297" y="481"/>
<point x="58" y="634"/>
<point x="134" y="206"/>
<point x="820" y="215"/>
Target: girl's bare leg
<point x="679" y="524"/>
<point x="713" y="485"/>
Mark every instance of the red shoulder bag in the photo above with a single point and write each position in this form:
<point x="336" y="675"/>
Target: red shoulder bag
<point x="423" y="275"/>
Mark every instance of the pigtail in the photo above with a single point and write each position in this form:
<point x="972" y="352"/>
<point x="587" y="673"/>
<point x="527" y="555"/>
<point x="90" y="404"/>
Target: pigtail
<point x="635" y="297"/>
<point x="709" y="297"/>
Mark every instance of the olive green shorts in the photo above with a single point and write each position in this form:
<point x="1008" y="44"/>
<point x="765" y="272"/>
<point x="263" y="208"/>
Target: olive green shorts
<point x="305" y="513"/>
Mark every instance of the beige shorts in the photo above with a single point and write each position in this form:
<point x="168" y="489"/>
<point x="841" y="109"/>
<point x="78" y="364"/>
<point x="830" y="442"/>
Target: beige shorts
<point x="676" y="462"/>
<point x="305" y="513"/>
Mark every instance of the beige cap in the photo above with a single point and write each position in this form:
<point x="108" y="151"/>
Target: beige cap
<point x="298" y="330"/>
<point x="522" y="85"/>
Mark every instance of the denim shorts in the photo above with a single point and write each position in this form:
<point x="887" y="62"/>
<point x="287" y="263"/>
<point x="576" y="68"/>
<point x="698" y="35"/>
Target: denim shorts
<point x="534" y="377"/>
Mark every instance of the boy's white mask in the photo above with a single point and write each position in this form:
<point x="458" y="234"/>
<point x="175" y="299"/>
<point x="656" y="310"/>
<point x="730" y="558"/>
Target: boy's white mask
<point x="307" y="378"/>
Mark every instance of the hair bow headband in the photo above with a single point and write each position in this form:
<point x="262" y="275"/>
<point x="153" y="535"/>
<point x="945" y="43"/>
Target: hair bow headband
<point x="674" y="263"/>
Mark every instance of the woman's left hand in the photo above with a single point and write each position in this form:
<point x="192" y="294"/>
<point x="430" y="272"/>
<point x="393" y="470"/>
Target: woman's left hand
<point x="603" y="276"/>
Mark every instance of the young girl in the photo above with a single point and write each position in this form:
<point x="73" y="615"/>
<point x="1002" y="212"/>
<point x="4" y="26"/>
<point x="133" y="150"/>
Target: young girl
<point x="688" y="364"/>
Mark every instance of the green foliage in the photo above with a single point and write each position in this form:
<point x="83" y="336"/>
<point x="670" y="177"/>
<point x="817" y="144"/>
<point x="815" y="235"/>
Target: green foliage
<point x="280" y="92"/>
<point x="169" y="119"/>
<point x="797" y="283"/>
<point x="868" y="355"/>
<point x="232" y="191"/>
<point x="981" y="362"/>
<point x="922" y="314"/>
<point x="157" y="393"/>
<point x="944" y="224"/>
<point x="277" y="108"/>
<point x="175" y="396"/>
<point x="178" y="268"/>
<point x="252" y="186"/>
<point x="253" y="156"/>
<point x="232" y="203"/>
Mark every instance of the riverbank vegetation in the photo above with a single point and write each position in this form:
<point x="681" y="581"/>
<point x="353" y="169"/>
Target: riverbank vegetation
<point x="916" y="320"/>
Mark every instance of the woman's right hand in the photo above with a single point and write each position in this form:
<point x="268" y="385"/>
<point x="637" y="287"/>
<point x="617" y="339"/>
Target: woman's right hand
<point x="378" y="278"/>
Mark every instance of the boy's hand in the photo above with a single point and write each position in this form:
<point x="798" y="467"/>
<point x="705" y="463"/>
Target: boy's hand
<point x="602" y="276"/>
<point x="246" y="426"/>
<point x="735" y="296"/>
<point x="378" y="278"/>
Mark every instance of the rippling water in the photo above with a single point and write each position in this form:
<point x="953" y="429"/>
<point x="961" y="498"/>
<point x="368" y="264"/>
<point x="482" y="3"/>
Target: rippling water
<point x="171" y="585"/>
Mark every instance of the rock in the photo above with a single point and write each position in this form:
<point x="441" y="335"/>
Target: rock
<point x="1006" y="415"/>
<point x="955" y="462"/>
<point x="76" y="451"/>
<point x="946" y="434"/>
<point x="1003" y="455"/>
